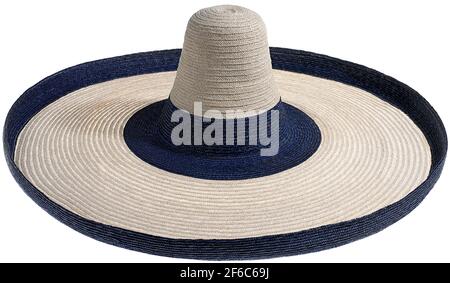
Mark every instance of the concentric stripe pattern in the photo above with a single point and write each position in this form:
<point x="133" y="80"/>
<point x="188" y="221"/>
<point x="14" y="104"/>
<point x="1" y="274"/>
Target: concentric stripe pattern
<point x="371" y="156"/>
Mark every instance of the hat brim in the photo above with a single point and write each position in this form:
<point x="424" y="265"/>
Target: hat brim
<point x="382" y="150"/>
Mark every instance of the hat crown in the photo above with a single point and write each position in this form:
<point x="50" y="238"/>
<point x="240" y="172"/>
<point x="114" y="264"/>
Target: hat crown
<point x="225" y="62"/>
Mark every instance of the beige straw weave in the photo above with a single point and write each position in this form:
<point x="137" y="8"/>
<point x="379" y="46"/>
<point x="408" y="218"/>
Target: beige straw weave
<point x="225" y="62"/>
<point x="371" y="154"/>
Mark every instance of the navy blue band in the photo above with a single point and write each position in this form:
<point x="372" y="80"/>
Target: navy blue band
<point x="147" y="134"/>
<point x="380" y="85"/>
<point x="162" y="120"/>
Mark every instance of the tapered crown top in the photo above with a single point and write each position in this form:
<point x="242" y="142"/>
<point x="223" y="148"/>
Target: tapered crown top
<point x="225" y="62"/>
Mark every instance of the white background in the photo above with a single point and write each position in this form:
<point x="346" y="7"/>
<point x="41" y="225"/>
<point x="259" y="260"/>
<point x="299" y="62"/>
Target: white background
<point x="409" y="40"/>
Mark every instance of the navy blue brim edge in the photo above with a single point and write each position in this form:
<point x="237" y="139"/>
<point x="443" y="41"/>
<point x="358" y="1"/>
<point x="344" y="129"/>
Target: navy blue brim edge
<point x="324" y="237"/>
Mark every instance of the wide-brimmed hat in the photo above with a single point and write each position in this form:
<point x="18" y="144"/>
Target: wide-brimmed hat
<point x="226" y="149"/>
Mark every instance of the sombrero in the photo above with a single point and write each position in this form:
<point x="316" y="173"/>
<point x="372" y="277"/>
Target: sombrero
<point x="226" y="149"/>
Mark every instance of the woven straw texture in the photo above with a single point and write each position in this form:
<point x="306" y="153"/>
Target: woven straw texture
<point x="382" y="147"/>
<point x="225" y="62"/>
<point x="381" y="86"/>
<point x="371" y="156"/>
